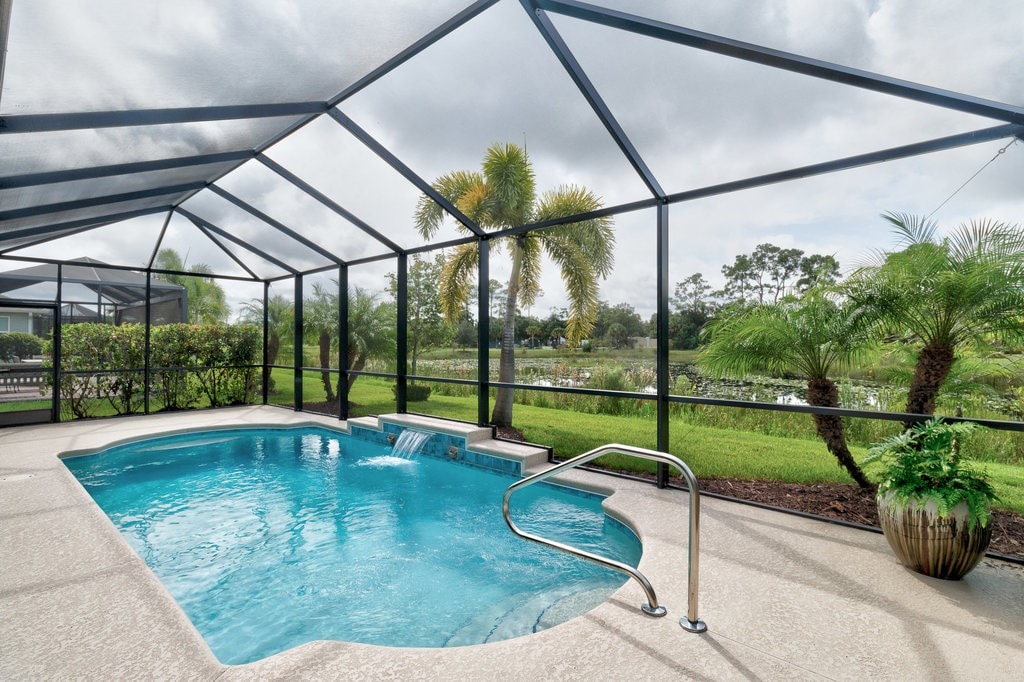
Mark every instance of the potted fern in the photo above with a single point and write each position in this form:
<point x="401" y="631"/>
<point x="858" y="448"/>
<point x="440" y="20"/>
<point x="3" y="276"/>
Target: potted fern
<point x="933" y="504"/>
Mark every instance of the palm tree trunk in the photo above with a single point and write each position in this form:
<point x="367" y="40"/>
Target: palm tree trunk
<point x="273" y="346"/>
<point x="325" y="362"/>
<point x="933" y="365"/>
<point x="356" y="362"/>
<point x="825" y="393"/>
<point x="502" y="414"/>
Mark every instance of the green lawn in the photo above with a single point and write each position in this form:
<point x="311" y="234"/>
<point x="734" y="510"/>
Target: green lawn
<point x="709" y="452"/>
<point x="22" y="405"/>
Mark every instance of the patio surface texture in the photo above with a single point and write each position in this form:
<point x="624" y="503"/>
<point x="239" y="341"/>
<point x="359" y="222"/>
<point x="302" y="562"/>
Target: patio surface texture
<point x="783" y="597"/>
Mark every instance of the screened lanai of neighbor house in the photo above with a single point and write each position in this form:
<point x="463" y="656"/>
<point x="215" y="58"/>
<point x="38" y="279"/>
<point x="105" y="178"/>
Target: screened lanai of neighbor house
<point x="520" y="215"/>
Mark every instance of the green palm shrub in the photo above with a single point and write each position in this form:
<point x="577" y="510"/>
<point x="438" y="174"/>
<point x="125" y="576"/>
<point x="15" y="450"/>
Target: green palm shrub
<point x="926" y="463"/>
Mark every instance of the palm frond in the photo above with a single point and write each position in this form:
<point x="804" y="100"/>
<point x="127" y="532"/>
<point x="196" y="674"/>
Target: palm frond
<point x="510" y="180"/>
<point x="812" y="336"/>
<point x="456" y="276"/>
<point x="911" y="229"/>
<point x="595" y="236"/>
<point x="749" y="340"/>
<point x="452" y="186"/>
<point x="530" y="268"/>
<point x="581" y="284"/>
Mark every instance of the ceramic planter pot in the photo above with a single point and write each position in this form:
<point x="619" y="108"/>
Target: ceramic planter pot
<point x="937" y="547"/>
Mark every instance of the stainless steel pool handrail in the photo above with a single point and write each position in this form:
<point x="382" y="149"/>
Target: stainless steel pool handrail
<point x="691" y="622"/>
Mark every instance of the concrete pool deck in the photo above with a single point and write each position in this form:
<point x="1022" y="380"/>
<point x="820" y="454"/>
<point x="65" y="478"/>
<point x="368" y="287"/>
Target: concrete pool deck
<point x="783" y="597"/>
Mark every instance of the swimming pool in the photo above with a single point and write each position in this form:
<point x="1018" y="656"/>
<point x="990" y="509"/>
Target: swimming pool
<point x="270" y="538"/>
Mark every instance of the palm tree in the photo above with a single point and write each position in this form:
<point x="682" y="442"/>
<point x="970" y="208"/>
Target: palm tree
<point x="812" y="336"/>
<point x="280" y="322"/>
<point x="371" y="329"/>
<point x="207" y="303"/>
<point x="945" y="295"/>
<point x="534" y="331"/>
<point x="320" y="323"/>
<point x="503" y="195"/>
<point x="556" y="336"/>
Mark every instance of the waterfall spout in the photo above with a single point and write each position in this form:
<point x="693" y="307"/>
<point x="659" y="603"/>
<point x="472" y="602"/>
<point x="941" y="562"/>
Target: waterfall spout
<point x="409" y="443"/>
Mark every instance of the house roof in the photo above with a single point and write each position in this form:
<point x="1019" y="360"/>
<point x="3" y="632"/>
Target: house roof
<point x="117" y="285"/>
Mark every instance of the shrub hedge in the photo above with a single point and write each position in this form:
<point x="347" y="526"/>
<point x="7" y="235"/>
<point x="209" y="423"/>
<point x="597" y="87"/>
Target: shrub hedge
<point x="19" y="345"/>
<point x="102" y="363"/>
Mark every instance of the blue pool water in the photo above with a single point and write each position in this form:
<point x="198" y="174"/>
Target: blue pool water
<point x="270" y="538"/>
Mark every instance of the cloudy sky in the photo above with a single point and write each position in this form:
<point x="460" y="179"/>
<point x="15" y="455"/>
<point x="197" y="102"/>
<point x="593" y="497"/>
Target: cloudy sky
<point x="695" y="117"/>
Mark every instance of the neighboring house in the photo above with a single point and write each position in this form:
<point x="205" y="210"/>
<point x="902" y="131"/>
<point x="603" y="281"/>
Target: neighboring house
<point x="17" y="320"/>
<point x="91" y="291"/>
<point x="642" y="342"/>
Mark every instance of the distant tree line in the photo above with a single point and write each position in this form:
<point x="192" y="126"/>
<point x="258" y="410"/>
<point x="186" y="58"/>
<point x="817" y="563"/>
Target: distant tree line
<point x="767" y="275"/>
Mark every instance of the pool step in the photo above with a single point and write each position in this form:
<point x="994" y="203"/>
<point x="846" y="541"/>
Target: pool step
<point x="507" y="620"/>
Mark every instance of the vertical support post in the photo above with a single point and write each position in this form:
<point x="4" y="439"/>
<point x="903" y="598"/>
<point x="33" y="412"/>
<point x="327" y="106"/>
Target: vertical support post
<point x="343" y="341"/>
<point x="56" y="349"/>
<point x="483" y="356"/>
<point x="402" y="335"/>
<point x="662" y="344"/>
<point x="298" y="344"/>
<point x="266" y="342"/>
<point x="147" y="373"/>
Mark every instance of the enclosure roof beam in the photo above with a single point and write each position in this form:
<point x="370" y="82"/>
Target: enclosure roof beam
<point x="66" y="227"/>
<point x="49" y="237"/>
<point x="406" y="172"/>
<point x="408" y="53"/>
<point x="891" y="154"/>
<point x="326" y="201"/>
<point x="590" y="93"/>
<point x="43" y="209"/>
<point x="386" y="256"/>
<point x="132" y="268"/>
<point x="5" y="25"/>
<point x="277" y="225"/>
<point x="159" y="240"/>
<point x="385" y="68"/>
<point x="50" y="177"/>
<point x="785" y="60"/>
<point x="220" y="245"/>
<point x="901" y="152"/>
<point x="237" y="240"/>
<point x="39" y="123"/>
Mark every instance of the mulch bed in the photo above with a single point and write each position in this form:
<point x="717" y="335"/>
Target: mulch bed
<point x="847" y="502"/>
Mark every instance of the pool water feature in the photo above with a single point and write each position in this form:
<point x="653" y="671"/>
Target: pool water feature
<point x="270" y="538"/>
<point x="410" y="442"/>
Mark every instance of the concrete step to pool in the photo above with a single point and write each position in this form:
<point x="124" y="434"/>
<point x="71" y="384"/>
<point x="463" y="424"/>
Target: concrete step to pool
<point x="506" y="620"/>
<point x="571" y="606"/>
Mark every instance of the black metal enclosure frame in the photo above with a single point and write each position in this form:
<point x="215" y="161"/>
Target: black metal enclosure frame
<point x="16" y="238"/>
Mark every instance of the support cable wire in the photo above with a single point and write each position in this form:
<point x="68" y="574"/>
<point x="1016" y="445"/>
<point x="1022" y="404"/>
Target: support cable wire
<point x="976" y="174"/>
